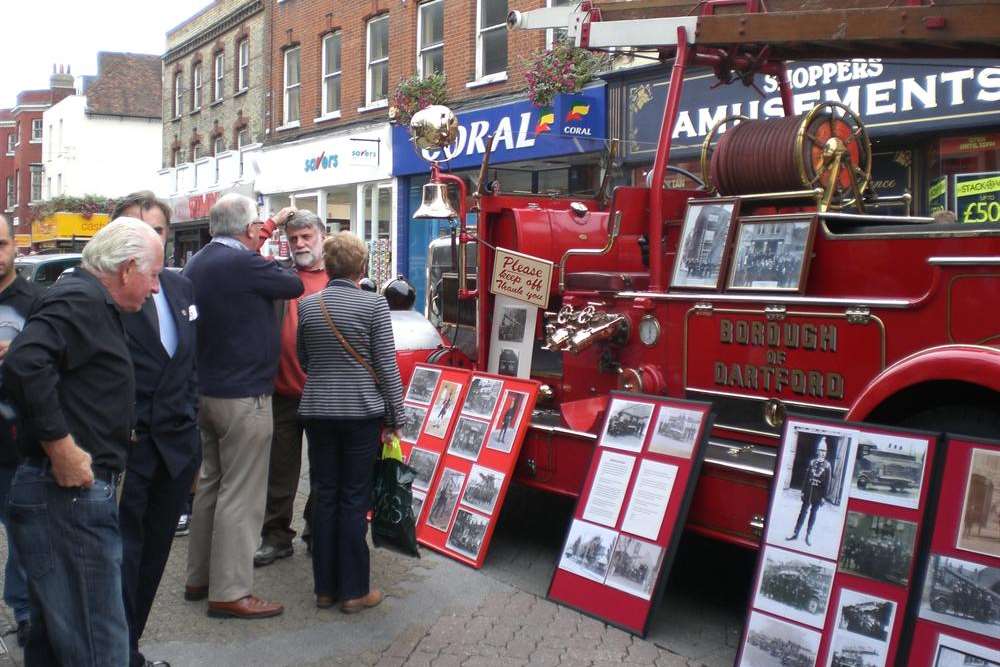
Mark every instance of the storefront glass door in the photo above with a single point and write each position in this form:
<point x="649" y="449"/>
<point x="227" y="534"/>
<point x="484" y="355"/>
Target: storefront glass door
<point x="375" y="227"/>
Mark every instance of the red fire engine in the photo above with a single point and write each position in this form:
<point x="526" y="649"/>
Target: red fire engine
<point x="808" y="300"/>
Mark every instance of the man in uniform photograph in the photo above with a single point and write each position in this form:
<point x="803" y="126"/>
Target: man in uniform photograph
<point x="815" y="488"/>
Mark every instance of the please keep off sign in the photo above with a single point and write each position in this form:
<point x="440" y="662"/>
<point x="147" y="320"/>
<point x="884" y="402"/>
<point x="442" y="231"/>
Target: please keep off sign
<point x="521" y="276"/>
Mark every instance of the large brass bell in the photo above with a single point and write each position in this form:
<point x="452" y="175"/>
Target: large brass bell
<point x="435" y="203"/>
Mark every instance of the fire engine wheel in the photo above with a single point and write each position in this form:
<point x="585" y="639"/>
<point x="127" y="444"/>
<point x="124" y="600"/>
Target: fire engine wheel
<point x="833" y="152"/>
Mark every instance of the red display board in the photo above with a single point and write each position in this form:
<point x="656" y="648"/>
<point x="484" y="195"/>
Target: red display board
<point x="630" y="514"/>
<point x="462" y="434"/>
<point x="957" y="610"/>
<point x="841" y="544"/>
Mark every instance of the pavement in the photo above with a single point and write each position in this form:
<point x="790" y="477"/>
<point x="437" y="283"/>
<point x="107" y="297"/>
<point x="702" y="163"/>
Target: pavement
<point x="441" y="613"/>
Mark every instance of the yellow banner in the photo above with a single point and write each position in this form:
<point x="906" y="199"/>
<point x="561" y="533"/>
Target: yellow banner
<point x="977" y="187"/>
<point x="67" y="226"/>
<point x="22" y="240"/>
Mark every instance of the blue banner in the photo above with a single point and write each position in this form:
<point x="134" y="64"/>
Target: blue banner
<point x="574" y="124"/>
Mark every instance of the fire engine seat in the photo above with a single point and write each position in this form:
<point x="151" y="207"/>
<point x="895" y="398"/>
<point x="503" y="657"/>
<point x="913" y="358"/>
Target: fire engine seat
<point x="606" y="281"/>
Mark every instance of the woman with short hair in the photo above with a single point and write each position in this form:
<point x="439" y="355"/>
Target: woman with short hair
<point x="352" y="395"/>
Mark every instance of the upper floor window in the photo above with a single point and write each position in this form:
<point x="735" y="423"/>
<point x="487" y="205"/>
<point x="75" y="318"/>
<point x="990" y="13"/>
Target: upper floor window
<point x="17" y="187"/>
<point x="377" y="79"/>
<point x="48" y="146"/>
<point x="218" y="144"/>
<point x="243" y="138"/>
<point x="491" y="38"/>
<point x="196" y="87"/>
<point x="178" y="94"/>
<point x="220" y="75"/>
<point x="11" y="142"/>
<point x="197" y="151"/>
<point x="11" y="192"/>
<point x="175" y="157"/>
<point x="430" y="38"/>
<point x="36" y="129"/>
<point x="36" y="183"/>
<point x="553" y="35"/>
<point x="331" y="73"/>
<point x="293" y="86"/>
<point x="243" y="69"/>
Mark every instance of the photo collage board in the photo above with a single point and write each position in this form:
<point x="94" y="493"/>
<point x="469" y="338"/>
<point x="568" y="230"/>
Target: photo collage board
<point x="841" y="545"/>
<point x="958" y="615"/>
<point x="632" y="507"/>
<point x="462" y="435"/>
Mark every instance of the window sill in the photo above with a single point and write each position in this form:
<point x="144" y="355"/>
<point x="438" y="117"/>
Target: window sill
<point x="217" y="102"/>
<point x="499" y="77"/>
<point x="241" y="91"/>
<point x="288" y="126"/>
<point x="195" y="112"/>
<point x="175" y="119"/>
<point x="375" y="106"/>
<point x="333" y="115"/>
<point x="35" y="141"/>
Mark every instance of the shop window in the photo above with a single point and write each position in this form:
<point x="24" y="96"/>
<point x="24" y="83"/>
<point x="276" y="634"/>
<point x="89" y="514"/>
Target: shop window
<point x="243" y="73"/>
<point x="430" y="33"/>
<point x="196" y="87"/>
<point x="377" y="75"/>
<point x="491" y="38"/>
<point x="178" y="94"/>
<point x="220" y="75"/>
<point x="331" y="73"/>
<point x="36" y="130"/>
<point x="293" y="85"/>
<point x="962" y="176"/>
<point x="36" y="183"/>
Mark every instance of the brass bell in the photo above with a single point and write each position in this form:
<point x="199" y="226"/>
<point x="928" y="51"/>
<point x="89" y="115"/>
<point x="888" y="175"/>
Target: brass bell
<point x="435" y="203"/>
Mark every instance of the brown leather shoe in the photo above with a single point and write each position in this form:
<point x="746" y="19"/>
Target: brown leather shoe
<point x="325" y="601"/>
<point x="360" y="604"/>
<point x="246" y="607"/>
<point x="195" y="593"/>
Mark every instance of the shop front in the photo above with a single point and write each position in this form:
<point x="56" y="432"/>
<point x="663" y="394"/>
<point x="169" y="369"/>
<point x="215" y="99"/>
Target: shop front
<point x="934" y="126"/>
<point x="548" y="151"/>
<point x="345" y="178"/>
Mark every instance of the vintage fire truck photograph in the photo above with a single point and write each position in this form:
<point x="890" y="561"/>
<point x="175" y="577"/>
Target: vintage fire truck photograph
<point x="588" y="550"/>
<point x="962" y="594"/>
<point x="424" y="462"/>
<point x="878" y="547"/>
<point x="794" y="586"/>
<point x="422" y="385"/>
<point x="482" y="397"/>
<point x="865" y="615"/>
<point x="483" y="488"/>
<point x="775" y="643"/>
<point x="675" y="431"/>
<point x="627" y="424"/>
<point x="468" y="437"/>
<point x="889" y="469"/>
<point x="467" y="532"/>
<point x="412" y="421"/>
<point x="634" y="566"/>
<point x="854" y="654"/>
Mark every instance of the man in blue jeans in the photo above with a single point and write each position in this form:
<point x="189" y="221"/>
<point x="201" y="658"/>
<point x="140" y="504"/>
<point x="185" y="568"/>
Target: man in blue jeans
<point x="70" y="375"/>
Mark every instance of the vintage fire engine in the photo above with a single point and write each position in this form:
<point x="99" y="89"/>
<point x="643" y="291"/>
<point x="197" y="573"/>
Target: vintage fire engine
<point x="825" y="307"/>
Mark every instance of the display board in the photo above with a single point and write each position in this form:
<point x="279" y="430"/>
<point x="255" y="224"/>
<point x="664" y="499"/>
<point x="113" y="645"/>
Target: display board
<point x="837" y="563"/>
<point x="630" y="514"/>
<point x="977" y="197"/>
<point x="462" y="434"/>
<point x="957" y="614"/>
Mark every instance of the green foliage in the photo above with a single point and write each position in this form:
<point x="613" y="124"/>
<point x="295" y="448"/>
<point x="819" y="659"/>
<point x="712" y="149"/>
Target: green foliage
<point x="562" y="69"/>
<point x="414" y="93"/>
<point x="86" y="206"/>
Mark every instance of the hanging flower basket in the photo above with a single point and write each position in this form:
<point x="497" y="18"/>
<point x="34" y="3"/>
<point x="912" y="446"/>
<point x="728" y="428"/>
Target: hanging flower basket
<point x="86" y="206"/>
<point x="562" y="69"/>
<point x="414" y="93"/>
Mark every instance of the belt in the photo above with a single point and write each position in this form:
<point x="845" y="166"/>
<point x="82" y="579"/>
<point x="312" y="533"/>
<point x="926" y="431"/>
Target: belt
<point x="103" y="473"/>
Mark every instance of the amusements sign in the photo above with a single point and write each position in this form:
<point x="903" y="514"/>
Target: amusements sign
<point x="837" y="563"/>
<point x="958" y="615"/>
<point x="630" y="514"/>
<point x="462" y="433"/>
<point x="521" y="277"/>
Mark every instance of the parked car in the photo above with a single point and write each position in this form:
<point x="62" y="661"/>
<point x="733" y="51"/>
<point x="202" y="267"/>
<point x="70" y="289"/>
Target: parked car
<point x="44" y="270"/>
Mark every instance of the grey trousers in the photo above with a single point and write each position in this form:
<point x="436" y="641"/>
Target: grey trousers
<point x="228" y="507"/>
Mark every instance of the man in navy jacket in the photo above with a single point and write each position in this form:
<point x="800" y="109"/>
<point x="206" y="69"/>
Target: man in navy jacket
<point x="235" y="291"/>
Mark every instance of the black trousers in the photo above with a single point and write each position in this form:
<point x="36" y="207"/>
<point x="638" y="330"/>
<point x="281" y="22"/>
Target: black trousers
<point x="148" y="511"/>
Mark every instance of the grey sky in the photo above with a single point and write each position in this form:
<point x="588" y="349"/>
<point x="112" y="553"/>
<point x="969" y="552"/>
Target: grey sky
<point x="69" y="32"/>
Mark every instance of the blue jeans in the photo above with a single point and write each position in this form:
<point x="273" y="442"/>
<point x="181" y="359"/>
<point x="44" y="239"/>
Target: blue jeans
<point x="341" y="470"/>
<point x="15" y="586"/>
<point x="71" y="550"/>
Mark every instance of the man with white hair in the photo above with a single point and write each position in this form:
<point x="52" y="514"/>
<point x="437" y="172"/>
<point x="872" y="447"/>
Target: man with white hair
<point x="71" y="376"/>
<point x="237" y="331"/>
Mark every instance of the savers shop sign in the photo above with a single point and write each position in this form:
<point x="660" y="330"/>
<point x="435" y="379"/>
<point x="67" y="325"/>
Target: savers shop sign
<point x="521" y="277"/>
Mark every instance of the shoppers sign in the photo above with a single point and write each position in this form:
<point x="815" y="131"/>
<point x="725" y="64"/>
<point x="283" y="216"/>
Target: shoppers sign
<point x="521" y="131"/>
<point x="977" y="197"/>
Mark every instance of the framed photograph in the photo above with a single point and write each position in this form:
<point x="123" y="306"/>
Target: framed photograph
<point x="467" y="438"/>
<point x="423" y="382"/>
<point x="772" y="254"/>
<point x="702" y="248"/>
<point x="445" y="499"/>
<point x="865" y="615"/>
<point x="810" y="493"/>
<point x="953" y="652"/>
<point x="417" y="504"/>
<point x="889" y="469"/>
<point x="794" y="586"/>
<point x="513" y="321"/>
<point x="483" y="488"/>
<point x="634" y="566"/>
<point x="443" y="408"/>
<point x="878" y="547"/>
<point x="846" y="649"/>
<point x="627" y="424"/>
<point x="588" y="550"/>
<point x="771" y="642"/>
<point x="507" y="421"/>
<point x="509" y="361"/>
<point x="512" y="337"/>
<point x="413" y="419"/>
<point x="962" y="594"/>
<point x="675" y="431"/>
<point x="425" y="463"/>
<point x="979" y="529"/>
<point x="482" y="397"/>
<point x="466" y="536"/>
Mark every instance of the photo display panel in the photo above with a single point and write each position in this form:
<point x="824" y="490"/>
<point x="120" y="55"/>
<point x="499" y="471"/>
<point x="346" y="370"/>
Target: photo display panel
<point x="957" y="612"/>
<point x="462" y="477"/>
<point x="630" y="514"/>
<point x="840" y="545"/>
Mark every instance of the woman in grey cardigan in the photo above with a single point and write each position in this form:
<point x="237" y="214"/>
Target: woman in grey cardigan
<point x="352" y="393"/>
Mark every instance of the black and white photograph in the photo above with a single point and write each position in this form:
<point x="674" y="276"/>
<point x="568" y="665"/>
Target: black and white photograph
<point x="417" y="504"/>
<point x="865" y="615"/>
<point x="979" y="530"/>
<point x="588" y="550"/>
<point x="771" y="255"/>
<point x="878" y="547"/>
<point x="512" y="324"/>
<point x="445" y="499"/>
<point x="483" y="488"/>
<point x="703" y="243"/>
<point x="627" y="424"/>
<point x="634" y="566"/>
<point x="423" y="382"/>
<point x="771" y="642"/>
<point x="413" y="419"/>
<point x="889" y="469"/>
<point x="675" y="431"/>
<point x="443" y="409"/>
<point x="508" y="421"/>
<point x="424" y="462"/>
<point x="508" y="363"/>
<point x="954" y="652"/>
<point x="482" y="397"/>
<point x="810" y="492"/>
<point x="467" y="438"/>
<point x="962" y="594"/>
<point x="847" y="650"/>
<point x="467" y="533"/>
<point x="794" y="586"/>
